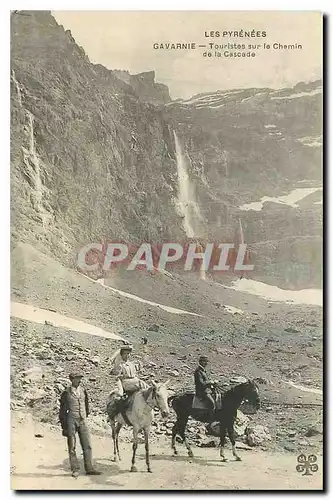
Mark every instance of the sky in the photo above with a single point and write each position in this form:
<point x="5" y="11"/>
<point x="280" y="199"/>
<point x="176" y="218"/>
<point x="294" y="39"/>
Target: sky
<point x="124" y="40"/>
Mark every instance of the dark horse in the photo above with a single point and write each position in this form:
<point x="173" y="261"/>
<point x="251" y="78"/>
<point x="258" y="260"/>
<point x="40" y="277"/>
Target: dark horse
<point x="225" y="416"/>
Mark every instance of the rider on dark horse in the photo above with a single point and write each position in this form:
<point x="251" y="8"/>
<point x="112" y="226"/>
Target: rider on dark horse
<point x="204" y="386"/>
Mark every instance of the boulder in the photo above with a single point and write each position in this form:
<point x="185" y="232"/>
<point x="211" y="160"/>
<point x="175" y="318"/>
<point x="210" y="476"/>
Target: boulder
<point x="16" y="404"/>
<point x="238" y="380"/>
<point x="151" y="364"/>
<point x="313" y="430"/>
<point x="290" y="447"/>
<point x="34" y="396"/>
<point x="241" y="423"/>
<point x="257" y="435"/>
<point x="95" y="360"/>
<point x="240" y="426"/>
<point x="303" y="442"/>
<point x="260" y="380"/>
<point x="291" y="330"/>
<point x="153" y="328"/>
<point x="33" y="374"/>
<point x="59" y="369"/>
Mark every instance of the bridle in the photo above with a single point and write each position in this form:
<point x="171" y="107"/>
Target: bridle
<point x="153" y="399"/>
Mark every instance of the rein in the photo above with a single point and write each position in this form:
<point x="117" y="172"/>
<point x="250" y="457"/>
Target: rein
<point x="149" y="392"/>
<point x="234" y="392"/>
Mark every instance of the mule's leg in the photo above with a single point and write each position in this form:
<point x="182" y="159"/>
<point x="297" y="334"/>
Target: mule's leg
<point x="135" y="445"/>
<point x="231" y="435"/>
<point x="222" y="441"/>
<point x="146" y="434"/>
<point x="113" y="427"/>
<point x="119" y="426"/>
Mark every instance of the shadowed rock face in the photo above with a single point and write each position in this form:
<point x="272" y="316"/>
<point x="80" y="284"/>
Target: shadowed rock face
<point x="93" y="157"/>
<point x="106" y="167"/>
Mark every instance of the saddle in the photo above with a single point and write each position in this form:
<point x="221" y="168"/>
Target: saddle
<point x="201" y="404"/>
<point x="119" y="404"/>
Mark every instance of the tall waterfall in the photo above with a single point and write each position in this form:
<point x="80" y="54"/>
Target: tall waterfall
<point x="17" y="86"/>
<point x="186" y="196"/>
<point x="35" y="160"/>
<point x="188" y="205"/>
<point x="33" y="169"/>
<point x="241" y="234"/>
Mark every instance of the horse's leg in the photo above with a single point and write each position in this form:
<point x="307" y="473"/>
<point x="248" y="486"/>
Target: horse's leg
<point x="174" y="434"/>
<point x="113" y="427"/>
<point x="135" y="445"/>
<point x="231" y="435"/>
<point x="119" y="426"/>
<point x="222" y="441"/>
<point x="188" y="447"/>
<point x="179" y="429"/>
<point x="146" y="434"/>
<point x="182" y="433"/>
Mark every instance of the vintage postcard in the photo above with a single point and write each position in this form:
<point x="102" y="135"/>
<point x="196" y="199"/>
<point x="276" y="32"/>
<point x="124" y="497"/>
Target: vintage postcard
<point x="166" y="250"/>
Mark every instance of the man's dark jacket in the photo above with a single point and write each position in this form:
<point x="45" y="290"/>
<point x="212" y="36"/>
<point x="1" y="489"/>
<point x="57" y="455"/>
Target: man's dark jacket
<point x="64" y="411"/>
<point x="202" y="381"/>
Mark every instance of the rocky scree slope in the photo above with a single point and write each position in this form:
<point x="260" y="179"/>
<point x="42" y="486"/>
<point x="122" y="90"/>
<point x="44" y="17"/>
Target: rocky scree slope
<point x="42" y="357"/>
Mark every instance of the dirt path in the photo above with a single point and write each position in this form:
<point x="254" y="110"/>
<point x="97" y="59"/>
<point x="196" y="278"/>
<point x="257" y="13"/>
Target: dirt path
<point x="41" y="463"/>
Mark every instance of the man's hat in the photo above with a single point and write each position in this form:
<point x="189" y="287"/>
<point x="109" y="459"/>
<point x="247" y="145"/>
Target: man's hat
<point x="75" y="374"/>
<point x="203" y="358"/>
<point x="126" y="348"/>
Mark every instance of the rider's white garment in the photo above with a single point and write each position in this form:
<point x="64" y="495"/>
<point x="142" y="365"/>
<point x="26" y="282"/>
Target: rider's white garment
<point x="126" y="371"/>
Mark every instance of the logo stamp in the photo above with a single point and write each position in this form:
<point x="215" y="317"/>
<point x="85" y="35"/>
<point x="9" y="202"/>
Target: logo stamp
<point x="307" y="465"/>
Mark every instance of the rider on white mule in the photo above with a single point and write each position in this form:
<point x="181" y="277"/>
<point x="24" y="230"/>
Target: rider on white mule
<point x="127" y="371"/>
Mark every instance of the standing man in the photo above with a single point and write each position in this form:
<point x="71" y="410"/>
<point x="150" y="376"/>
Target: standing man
<point x="74" y="410"/>
<point x="203" y="386"/>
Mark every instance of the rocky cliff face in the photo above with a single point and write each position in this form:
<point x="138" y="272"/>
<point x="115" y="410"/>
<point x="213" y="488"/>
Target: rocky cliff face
<point x="89" y="159"/>
<point x="94" y="157"/>
<point x="246" y="144"/>
<point x="145" y="87"/>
